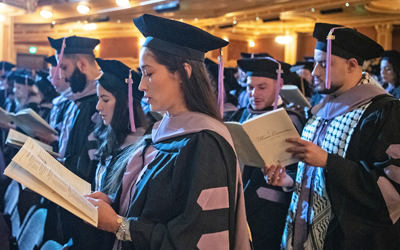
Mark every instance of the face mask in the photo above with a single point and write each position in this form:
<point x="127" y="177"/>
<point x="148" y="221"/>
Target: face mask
<point x="77" y="81"/>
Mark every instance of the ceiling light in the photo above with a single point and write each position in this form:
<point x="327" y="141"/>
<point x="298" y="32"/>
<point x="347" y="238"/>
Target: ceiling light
<point x="283" y="39"/>
<point x="252" y="44"/>
<point x="123" y="3"/>
<point x="312" y="9"/>
<point x="46" y="14"/>
<point x="83" y="9"/>
<point x="226" y="39"/>
<point x="2" y="18"/>
<point x="347" y="4"/>
<point x="89" y="26"/>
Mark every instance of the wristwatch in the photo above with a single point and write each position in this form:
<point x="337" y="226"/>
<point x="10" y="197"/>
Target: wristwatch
<point x="121" y="232"/>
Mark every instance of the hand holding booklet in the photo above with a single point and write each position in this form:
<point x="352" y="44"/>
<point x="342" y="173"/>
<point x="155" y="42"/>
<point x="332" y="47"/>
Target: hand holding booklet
<point x="261" y="140"/>
<point x="34" y="168"/>
<point x="18" y="139"/>
<point x="28" y="120"/>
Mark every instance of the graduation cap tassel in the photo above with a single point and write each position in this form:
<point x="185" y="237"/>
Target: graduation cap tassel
<point x="130" y="100"/>
<point x="26" y="80"/>
<point x="329" y="39"/>
<point x="58" y="72"/>
<point x="221" y="90"/>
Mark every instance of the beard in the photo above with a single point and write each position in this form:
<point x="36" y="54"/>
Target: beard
<point x="77" y="81"/>
<point x="320" y="87"/>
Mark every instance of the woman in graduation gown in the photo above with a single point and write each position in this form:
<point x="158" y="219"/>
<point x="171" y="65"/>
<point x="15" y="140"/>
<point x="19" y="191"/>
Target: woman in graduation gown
<point x="390" y="72"/>
<point x="116" y="132"/>
<point x="181" y="190"/>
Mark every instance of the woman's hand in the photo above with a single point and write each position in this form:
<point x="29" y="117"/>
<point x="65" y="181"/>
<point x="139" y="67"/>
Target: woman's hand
<point x="277" y="176"/>
<point x="107" y="218"/>
<point x="101" y="196"/>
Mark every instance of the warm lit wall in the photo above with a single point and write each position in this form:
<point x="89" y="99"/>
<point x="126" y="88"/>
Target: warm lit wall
<point x="396" y="39"/>
<point x="268" y="45"/>
<point x="119" y="47"/>
<point x="305" y="45"/>
<point x="368" y="31"/>
<point x="236" y="47"/>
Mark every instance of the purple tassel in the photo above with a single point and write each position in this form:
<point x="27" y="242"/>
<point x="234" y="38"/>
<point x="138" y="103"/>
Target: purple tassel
<point x="329" y="39"/>
<point x="60" y="60"/>
<point x="221" y="90"/>
<point x="130" y="100"/>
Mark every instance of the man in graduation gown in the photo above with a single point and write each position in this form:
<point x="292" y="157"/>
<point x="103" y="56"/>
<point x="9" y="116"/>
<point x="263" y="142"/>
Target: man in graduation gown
<point x="347" y="190"/>
<point x="266" y="205"/>
<point x="79" y="68"/>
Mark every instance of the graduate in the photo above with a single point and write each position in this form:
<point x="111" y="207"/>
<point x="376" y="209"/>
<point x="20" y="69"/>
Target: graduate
<point x="61" y="113"/>
<point x="266" y="205"/>
<point x="243" y="98"/>
<point x="25" y="92"/>
<point x="46" y="93"/>
<point x="116" y="131"/>
<point x="346" y="193"/>
<point x="181" y="189"/>
<point x="78" y="66"/>
<point x="390" y="72"/>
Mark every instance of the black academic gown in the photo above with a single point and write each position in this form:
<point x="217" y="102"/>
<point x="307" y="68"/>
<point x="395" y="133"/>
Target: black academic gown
<point x="164" y="212"/>
<point x="266" y="216"/>
<point x="361" y="218"/>
<point x="77" y="153"/>
<point x="77" y="159"/>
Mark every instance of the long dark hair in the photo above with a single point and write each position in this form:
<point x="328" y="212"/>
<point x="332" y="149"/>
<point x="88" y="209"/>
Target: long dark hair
<point x="396" y="70"/>
<point x="112" y="137"/>
<point x="198" y="94"/>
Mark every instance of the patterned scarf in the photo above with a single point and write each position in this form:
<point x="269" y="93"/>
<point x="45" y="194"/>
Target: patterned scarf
<point x="316" y="208"/>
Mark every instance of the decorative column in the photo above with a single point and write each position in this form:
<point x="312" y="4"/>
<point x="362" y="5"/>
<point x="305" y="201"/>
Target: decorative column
<point x="291" y="49"/>
<point x="384" y="35"/>
<point x="7" y="50"/>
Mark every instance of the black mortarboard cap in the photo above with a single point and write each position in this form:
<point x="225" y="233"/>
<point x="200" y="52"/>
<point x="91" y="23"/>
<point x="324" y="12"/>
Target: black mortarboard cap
<point x="52" y="60"/>
<point x="393" y="56"/>
<point x="21" y="77"/>
<point x="42" y="73"/>
<point x="263" y="67"/>
<point x="117" y="72"/>
<point x="75" y="45"/>
<point x="249" y="55"/>
<point x="177" y="38"/>
<point x="347" y="43"/>
<point x="6" y="66"/>
<point x="302" y="65"/>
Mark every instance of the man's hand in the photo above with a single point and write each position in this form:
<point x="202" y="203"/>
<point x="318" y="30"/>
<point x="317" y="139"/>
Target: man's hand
<point x="7" y="125"/>
<point x="308" y="152"/>
<point x="47" y="138"/>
